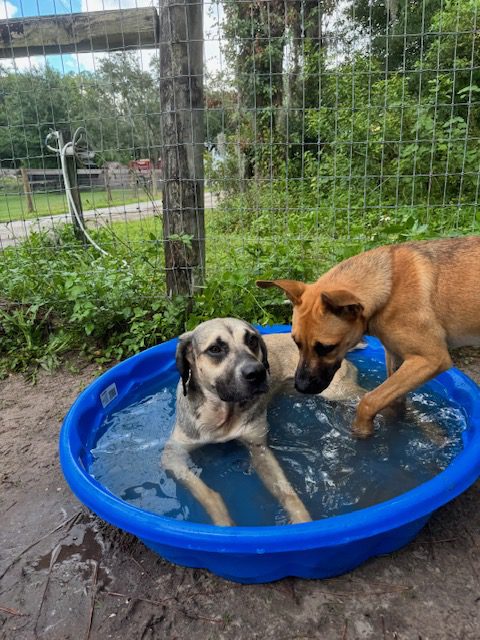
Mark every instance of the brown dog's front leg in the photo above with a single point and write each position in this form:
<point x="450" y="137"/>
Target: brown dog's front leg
<point x="413" y="372"/>
<point x="392" y="362"/>
<point x="397" y="407"/>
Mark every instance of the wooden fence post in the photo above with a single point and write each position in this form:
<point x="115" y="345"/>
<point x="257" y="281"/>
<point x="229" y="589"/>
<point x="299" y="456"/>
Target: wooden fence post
<point x="108" y="188"/>
<point x="182" y="131"/>
<point x="75" y="191"/>
<point x="71" y="162"/>
<point x="27" y="190"/>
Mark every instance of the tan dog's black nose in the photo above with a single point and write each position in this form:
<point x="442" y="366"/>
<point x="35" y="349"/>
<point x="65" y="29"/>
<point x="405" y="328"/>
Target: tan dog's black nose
<point x="254" y="372"/>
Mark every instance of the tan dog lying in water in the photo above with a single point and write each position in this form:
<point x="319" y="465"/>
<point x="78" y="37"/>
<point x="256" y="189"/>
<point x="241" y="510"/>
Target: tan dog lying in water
<point x="229" y="373"/>
<point x="419" y="298"/>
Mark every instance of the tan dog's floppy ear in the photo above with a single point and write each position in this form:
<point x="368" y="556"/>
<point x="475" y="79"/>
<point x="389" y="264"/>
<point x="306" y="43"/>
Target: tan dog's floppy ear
<point x="292" y="288"/>
<point x="181" y="360"/>
<point x="342" y="303"/>
<point x="263" y="347"/>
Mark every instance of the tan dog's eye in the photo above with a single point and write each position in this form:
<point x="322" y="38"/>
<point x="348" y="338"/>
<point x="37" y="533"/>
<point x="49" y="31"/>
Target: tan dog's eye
<point x="214" y="349"/>
<point x="323" y="349"/>
<point x="253" y="341"/>
<point x="218" y="348"/>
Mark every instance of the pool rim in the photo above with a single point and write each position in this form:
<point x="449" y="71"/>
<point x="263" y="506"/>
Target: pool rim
<point x="333" y="531"/>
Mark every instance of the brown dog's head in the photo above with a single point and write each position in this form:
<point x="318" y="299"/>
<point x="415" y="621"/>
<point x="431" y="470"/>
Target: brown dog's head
<point x="326" y="323"/>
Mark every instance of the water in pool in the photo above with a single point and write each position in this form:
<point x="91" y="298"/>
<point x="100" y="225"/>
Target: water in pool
<point x="331" y="471"/>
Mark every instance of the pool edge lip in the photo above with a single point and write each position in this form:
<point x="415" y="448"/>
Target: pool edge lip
<point x="330" y="532"/>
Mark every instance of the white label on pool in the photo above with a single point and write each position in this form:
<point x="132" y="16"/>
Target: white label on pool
<point x="108" y="394"/>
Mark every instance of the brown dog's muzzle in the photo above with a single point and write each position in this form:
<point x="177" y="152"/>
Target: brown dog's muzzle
<point x="316" y="380"/>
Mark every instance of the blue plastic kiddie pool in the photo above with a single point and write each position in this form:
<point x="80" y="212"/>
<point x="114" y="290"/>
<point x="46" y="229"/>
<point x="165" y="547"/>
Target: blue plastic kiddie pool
<point x="319" y="549"/>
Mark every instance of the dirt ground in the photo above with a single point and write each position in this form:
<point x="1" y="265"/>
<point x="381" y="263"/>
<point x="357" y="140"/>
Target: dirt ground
<point x="66" y="574"/>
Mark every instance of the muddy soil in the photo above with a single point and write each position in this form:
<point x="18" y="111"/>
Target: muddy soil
<point x="66" y="574"/>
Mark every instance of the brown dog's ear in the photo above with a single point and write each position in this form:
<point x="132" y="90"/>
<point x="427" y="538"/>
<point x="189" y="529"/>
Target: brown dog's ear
<point x="342" y="303"/>
<point x="181" y="360"/>
<point x="292" y="288"/>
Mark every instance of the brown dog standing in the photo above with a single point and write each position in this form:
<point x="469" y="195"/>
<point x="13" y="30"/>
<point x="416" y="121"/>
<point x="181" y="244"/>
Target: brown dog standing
<point x="418" y="298"/>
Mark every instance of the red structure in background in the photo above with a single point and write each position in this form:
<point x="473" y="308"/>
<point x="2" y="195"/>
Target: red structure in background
<point x="144" y="164"/>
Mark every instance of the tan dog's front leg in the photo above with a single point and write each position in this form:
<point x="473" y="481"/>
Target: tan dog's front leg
<point x="175" y="459"/>
<point x="413" y="372"/>
<point x="273" y="477"/>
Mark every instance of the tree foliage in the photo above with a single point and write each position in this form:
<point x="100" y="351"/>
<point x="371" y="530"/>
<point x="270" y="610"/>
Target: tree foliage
<point x="117" y="105"/>
<point x="388" y="130"/>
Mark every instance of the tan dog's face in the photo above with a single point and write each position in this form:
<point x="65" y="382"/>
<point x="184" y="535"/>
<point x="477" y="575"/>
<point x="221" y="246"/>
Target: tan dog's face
<point x="226" y="357"/>
<point x="325" y="325"/>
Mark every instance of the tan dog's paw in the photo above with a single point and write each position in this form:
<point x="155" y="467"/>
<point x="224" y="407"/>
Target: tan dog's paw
<point x="214" y="504"/>
<point x="298" y="520"/>
<point x="296" y="510"/>
<point x="223" y="520"/>
<point x="360" y="345"/>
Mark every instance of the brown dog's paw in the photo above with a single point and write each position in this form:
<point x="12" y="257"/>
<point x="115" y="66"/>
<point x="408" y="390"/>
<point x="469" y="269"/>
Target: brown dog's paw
<point x="362" y="435"/>
<point x="362" y="430"/>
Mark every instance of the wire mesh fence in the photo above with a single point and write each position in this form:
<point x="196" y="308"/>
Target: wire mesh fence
<point x="323" y="128"/>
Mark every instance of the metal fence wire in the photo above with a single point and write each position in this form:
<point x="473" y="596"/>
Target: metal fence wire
<point x="268" y="137"/>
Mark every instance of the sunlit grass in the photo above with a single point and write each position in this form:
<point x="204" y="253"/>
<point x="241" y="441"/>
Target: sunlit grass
<point x="13" y="206"/>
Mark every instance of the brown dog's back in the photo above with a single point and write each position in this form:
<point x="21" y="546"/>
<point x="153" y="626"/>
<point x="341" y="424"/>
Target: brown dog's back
<point x="436" y="278"/>
<point x="419" y="298"/>
<point x="442" y="275"/>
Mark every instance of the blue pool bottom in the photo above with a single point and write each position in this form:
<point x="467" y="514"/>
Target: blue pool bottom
<point x="319" y="549"/>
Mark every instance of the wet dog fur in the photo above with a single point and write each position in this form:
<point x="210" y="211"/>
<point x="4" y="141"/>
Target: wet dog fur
<point x="229" y="373"/>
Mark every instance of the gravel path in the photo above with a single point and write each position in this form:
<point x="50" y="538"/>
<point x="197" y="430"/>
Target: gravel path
<point x="11" y="233"/>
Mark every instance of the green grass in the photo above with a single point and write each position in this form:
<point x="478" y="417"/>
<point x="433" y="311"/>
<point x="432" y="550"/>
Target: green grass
<point x="138" y="235"/>
<point x="58" y="295"/>
<point x="137" y="231"/>
<point x="13" y="206"/>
